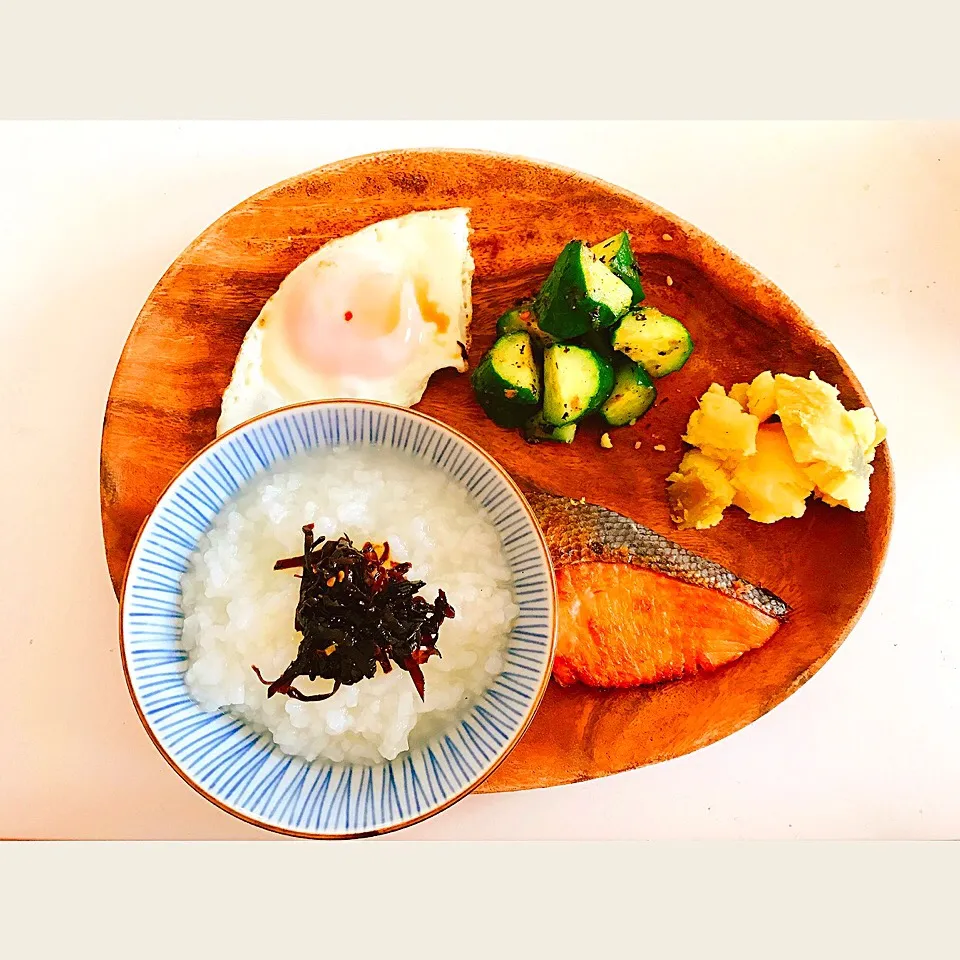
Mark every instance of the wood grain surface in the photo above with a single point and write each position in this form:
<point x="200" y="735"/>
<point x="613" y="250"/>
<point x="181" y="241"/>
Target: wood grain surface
<point x="165" y="400"/>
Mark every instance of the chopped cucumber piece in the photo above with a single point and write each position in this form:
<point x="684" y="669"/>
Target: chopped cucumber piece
<point x="660" y="344"/>
<point x="580" y="294"/>
<point x="617" y="254"/>
<point x="633" y="395"/>
<point x="575" y="382"/>
<point x="507" y="380"/>
<point x="537" y="430"/>
<point x="508" y="370"/>
<point x="523" y="319"/>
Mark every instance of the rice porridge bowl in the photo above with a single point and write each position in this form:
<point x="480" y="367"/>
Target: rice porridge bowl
<point x="239" y="611"/>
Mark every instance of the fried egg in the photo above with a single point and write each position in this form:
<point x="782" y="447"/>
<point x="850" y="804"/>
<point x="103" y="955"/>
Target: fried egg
<point x="369" y="316"/>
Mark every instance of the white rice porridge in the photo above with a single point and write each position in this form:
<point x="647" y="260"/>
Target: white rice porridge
<point x="238" y="611"/>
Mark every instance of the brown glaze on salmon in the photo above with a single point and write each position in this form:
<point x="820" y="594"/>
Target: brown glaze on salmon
<point x="637" y="608"/>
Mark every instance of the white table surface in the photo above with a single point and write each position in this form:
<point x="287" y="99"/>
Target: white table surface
<point x="859" y="224"/>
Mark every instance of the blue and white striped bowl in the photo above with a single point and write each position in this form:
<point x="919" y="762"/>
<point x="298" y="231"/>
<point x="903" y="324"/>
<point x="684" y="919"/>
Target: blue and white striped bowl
<point x="240" y="768"/>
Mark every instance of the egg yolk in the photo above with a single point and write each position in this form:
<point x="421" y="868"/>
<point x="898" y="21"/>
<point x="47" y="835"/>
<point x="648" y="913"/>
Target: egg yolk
<point x="358" y="318"/>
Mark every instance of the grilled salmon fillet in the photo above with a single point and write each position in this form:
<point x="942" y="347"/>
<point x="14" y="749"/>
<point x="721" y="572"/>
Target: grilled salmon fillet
<point x="636" y="608"/>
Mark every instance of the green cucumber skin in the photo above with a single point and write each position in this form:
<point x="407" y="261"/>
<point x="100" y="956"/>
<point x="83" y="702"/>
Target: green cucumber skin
<point x="488" y="383"/>
<point x="605" y="388"/>
<point x="624" y="266"/>
<point x="629" y="273"/>
<point x="563" y="317"/>
<point x="487" y="380"/>
<point x="491" y="387"/>
<point x="563" y="311"/>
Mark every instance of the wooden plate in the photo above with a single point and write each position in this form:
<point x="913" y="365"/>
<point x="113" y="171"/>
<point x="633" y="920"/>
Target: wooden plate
<point x="165" y="399"/>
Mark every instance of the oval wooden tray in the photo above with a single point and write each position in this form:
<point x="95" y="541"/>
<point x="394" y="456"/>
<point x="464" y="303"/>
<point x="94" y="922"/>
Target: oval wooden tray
<point x="165" y="398"/>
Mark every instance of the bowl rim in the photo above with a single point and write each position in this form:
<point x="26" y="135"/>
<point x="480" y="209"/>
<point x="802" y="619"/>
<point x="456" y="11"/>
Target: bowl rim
<point x="537" y="699"/>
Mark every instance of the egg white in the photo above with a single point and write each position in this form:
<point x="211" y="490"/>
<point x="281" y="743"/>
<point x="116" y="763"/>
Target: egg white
<point x="423" y="264"/>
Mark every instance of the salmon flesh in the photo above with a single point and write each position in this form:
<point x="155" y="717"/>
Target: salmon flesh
<point x="636" y="608"/>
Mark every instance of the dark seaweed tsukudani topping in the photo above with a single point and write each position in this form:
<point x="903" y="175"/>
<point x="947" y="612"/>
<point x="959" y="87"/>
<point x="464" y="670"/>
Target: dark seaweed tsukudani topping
<point x="356" y="610"/>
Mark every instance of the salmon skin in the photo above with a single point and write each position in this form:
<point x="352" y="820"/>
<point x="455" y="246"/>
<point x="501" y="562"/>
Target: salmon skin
<point x="637" y="608"/>
<point x="580" y="532"/>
